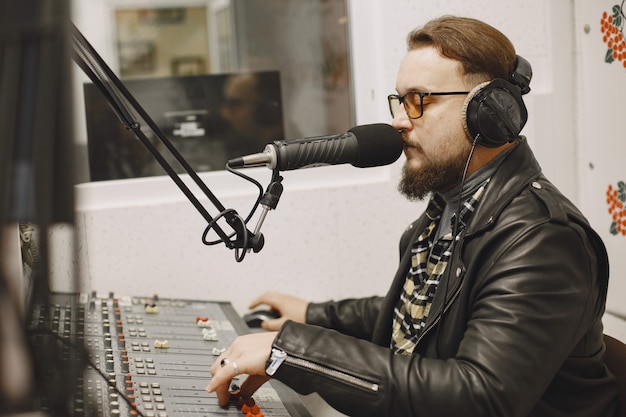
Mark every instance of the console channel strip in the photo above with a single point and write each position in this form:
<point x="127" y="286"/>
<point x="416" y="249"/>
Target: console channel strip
<point x="151" y="356"/>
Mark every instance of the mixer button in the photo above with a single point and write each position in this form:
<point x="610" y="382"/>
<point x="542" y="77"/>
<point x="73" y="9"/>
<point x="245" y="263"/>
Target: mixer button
<point x="152" y="309"/>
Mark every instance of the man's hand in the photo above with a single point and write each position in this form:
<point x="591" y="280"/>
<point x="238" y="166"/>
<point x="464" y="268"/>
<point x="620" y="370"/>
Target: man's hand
<point x="247" y="355"/>
<point x="289" y="307"/>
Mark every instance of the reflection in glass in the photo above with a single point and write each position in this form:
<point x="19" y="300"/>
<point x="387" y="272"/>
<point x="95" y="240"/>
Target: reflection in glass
<point x="304" y="44"/>
<point x="208" y="118"/>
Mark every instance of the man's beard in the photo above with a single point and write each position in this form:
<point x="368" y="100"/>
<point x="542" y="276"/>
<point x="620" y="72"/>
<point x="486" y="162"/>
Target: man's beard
<point x="437" y="176"/>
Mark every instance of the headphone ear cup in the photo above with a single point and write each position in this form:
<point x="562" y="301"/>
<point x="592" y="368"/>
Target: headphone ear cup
<point x="464" y="110"/>
<point x="494" y="113"/>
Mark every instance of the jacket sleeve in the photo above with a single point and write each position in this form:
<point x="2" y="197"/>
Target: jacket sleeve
<point x="354" y="317"/>
<point x="525" y="320"/>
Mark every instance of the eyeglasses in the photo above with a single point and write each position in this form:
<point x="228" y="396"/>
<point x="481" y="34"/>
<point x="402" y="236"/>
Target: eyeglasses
<point x="414" y="108"/>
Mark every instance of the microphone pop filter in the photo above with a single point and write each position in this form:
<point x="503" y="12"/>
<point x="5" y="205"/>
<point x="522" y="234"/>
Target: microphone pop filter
<point x="378" y="144"/>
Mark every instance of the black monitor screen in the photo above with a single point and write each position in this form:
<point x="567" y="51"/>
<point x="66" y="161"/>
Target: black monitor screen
<point x="208" y="118"/>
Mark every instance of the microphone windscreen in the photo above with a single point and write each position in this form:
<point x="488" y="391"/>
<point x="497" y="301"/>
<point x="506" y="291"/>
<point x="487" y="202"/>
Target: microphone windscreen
<point x="378" y="144"/>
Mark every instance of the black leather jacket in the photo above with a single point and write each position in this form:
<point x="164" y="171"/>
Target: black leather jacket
<point x="515" y="327"/>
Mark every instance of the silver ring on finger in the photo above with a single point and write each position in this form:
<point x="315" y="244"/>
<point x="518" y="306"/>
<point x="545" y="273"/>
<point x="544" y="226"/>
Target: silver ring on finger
<point x="224" y="362"/>
<point x="235" y="368"/>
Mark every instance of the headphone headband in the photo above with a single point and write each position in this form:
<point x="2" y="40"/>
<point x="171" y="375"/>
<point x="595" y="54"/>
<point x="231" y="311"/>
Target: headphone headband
<point x="522" y="75"/>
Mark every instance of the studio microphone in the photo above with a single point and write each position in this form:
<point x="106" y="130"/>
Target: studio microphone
<point x="362" y="146"/>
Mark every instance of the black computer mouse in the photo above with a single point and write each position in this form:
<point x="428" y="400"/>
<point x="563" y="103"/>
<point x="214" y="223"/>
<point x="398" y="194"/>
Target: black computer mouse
<point x="254" y="318"/>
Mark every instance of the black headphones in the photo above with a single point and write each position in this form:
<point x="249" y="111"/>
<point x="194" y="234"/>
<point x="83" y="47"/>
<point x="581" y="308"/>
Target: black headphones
<point x="494" y="112"/>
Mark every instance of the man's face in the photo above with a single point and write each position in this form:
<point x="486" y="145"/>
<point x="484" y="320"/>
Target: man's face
<point x="240" y="104"/>
<point x="435" y="145"/>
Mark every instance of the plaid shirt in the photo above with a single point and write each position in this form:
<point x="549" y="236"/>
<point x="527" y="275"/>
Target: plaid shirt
<point x="428" y="263"/>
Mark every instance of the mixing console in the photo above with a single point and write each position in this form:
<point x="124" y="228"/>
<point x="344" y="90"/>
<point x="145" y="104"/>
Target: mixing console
<point x="151" y="357"/>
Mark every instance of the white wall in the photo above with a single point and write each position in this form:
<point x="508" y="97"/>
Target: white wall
<point x="334" y="233"/>
<point x="601" y="89"/>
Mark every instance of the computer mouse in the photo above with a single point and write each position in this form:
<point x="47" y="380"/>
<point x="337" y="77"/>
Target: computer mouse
<point x="254" y="318"/>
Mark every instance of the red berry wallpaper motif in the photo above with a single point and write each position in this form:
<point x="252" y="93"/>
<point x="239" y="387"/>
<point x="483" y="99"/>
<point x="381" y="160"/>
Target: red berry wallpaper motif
<point x="612" y="26"/>
<point x="615" y="199"/>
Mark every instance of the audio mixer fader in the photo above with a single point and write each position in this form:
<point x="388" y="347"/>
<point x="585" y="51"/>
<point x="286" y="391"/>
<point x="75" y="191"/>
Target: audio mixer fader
<point x="152" y="357"/>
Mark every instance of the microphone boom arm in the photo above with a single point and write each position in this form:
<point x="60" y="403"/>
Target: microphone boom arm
<point x="119" y="97"/>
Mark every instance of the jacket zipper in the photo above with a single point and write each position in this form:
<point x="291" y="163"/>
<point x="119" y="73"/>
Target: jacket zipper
<point x="278" y="357"/>
<point x="445" y="309"/>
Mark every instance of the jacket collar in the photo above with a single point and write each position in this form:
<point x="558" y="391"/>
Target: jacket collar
<point x="514" y="173"/>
